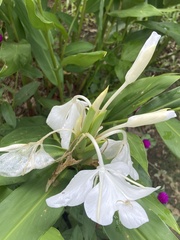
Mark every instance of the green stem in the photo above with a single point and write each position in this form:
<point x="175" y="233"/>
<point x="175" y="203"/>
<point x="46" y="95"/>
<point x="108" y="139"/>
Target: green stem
<point x="69" y="32"/>
<point x="81" y="19"/>
<point x="56" y="66"/>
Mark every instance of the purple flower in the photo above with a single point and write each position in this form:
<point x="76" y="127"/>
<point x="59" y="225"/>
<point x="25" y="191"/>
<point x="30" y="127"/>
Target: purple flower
<point x="147" y="143"/>
<point x="163" y="197"/>
<point x="1" y="37"/>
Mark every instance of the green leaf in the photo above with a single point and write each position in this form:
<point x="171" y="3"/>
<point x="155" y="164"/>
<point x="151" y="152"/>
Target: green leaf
<point x="155" y="229"/>
<point x="25" y="135"/>
<point x="169" y="99"/>
<point x="4" y="192"/>
<point x="52" y="234"/>
<point x="170" y="134"/>
<point x="138" y="151"/>
<point x="25" y="93"/>
<point x="84" y="59"/>
<point x="146" y="88"/>
<point x="12" y="180"/>
<point x="41" y="19"/>
<point x="140" y="10"/>
<point x="161" y="211"/>
<point x="38" y="43"/>
<point x="31" y="72"/>
<point x="13" y="57"/>
<point x="168" y="28"/>
<point x="27" y="209"/>
<point x="8" y="114"/>
<point x="78" y="47"/>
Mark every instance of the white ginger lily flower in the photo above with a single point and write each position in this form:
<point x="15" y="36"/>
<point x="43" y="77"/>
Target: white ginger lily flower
<point x="69" y="116"/>
<point x="138" y="66"/>
<point x="104" y="191"/>
<point x="150" y="118"/>
<point x="143" y="58"/>
<point x="20" y="159"/>
<point x="119" y="151"/>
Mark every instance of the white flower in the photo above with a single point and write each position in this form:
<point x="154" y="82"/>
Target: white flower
<point x="143" y="58"/>
<point x="20" y="159"/>
<point x="150" y="118"/>
<point x="119" y="151"/>
<point x="103" y="192"/>
<point x="67" y="118"/>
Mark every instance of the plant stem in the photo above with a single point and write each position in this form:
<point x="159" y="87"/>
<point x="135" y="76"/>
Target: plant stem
<point x="81" y="19"/>
<point x="56" y="66"/>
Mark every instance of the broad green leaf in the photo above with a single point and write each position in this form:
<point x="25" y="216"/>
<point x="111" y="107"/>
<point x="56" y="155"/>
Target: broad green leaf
<point x="78" y="47"/>
<point x="27" y="209"/>
<point x="138" y="93"/>
<point x="84" y="59"/>
<point x="36" y="18"/>
<point x="140" y="10"/>
<point x="92" y="6"/>
<point x="47" y="102"/>
<point x="77" y="234"/>
<point x="14" y="56"/>
<point x="169" y="99"/>
<point x="31" y="121"/>
<point x="41" y="19"/>
<point x="1" y="2"/>
<point x="168" y="28"/>
<point x="4" y="192"/>
<point x="138" y="151"/>
<point x="170" y="2"/>
<point x="155" y="229"/>
<point x="24" y="135"/>
<point x="25" y="93"/>
<point x="170" y="134"/>
<point x="8" y="114"/>
<point x="12" y="180"/>
<point x="31" y="72"/>
<point x="52" y="234"/>
<point x="161" y="211"/>
<point x="38" y="43"/>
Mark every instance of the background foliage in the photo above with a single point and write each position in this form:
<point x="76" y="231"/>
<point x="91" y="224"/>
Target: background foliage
<point x="52" y="50"/>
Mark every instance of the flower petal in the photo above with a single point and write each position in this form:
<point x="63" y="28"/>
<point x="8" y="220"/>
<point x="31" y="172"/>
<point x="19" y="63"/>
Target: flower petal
<point x="75" y="192"/>
<point x="119" y="152"/>
<point x="131" y="192"/>
<point x="100" y="201"/>
<point x="143" y="58"/>
<point x="150" y="118"/>
<point x="66" y="117"/>
<point x="22" y="158"/>
<point x="131" y="214"/>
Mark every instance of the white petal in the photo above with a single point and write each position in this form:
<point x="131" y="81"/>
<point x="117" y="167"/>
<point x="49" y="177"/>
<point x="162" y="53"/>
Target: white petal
<point x="65" y="117"/>
<point x="119" y="152"/>
<point x="131" y="214"/>
<point x="100" y="201"/>
<point x="130" y="191"/>
<point x="75" y="192"/>
<point x="143" y="58"/>
<point x="150" y="118"/>
<point x="58" y="115"/>
<point x="23" y="159"/>
<point x="42" y="159"/>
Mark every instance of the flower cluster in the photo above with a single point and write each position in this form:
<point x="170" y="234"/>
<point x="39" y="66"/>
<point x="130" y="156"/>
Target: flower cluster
<point x="111" y="187"/>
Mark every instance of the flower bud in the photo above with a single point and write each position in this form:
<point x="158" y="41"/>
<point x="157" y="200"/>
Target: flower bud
<point x="143" y="58"/>
<point x="150" y="118"/>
